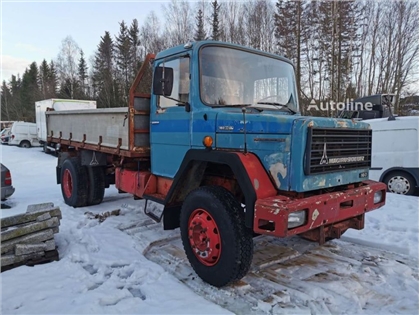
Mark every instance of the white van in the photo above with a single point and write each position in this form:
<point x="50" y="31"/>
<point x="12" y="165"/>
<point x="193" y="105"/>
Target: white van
<point x="395" y="153"/>
<point x="24" y="134"/>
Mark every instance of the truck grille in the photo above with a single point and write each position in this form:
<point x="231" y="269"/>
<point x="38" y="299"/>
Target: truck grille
<point x="331" y="150"/>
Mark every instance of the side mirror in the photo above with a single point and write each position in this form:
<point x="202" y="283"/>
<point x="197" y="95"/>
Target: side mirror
<point x="163" y="80"/>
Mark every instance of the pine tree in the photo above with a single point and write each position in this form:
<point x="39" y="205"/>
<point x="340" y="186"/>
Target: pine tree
<point x="200" y="33"/>
<point x="44" y="70"/>
<point x="103" y="73"/>
<point x="6" y="99"/>
<point x="215" y="35"/>
<point x="15" y="89"/>
<point x="30" y="92"/>
<point x="134" y="36"/>
<point x="83" y="75"/>
<point x="52" y="81"/>
<point x="123" y="58"/>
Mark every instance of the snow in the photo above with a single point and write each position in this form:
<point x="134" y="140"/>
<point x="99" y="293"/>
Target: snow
<point x="102" y="269"/>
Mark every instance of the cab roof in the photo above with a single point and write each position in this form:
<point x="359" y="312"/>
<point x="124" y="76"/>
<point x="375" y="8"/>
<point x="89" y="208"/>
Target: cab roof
<point x="197" y="45"/>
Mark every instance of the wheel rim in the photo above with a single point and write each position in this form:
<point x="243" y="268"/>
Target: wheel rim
<point x="204" y="237"/>
<point x="67" y="183"/>
<point x="399" y="185"/>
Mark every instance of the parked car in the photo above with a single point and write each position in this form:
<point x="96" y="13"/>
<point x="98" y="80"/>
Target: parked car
<point x="395" y="153"/>
<point x="24" y="134"/>
<point x="5" y="135"/>
<point x="6" y="183"/>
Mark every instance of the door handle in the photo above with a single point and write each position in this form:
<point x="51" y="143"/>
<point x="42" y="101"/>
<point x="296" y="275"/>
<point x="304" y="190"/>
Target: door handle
<point x="155" y="122"/>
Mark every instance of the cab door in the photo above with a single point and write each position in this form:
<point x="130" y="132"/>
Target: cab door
<point x="170" y="123"/>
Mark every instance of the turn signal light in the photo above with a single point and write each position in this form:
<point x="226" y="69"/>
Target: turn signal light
<point x="208" y="141"/>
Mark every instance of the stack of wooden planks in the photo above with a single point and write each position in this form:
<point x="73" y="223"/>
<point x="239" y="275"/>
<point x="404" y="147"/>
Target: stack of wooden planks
<point x="28" y="238"/>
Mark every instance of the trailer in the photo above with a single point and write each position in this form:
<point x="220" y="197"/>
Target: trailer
<point x="212" y="134"/>
<point x="41" y="107"/>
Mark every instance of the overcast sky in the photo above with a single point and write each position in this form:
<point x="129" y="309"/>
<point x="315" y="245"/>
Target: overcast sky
<point x="32" y="31"/>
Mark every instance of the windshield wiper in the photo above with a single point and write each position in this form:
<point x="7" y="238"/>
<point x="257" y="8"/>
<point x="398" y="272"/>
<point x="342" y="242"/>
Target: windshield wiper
<point x="278" y="104"/>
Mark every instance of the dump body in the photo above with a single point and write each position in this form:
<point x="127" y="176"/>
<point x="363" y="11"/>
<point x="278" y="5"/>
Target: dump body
<point x="42" y="107"/>
<point x="103" y="130"/>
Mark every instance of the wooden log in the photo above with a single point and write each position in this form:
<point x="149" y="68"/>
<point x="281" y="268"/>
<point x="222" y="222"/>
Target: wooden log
<point x="29" y="217"/>
<point x="36" y="237"/>
<point x="29" y="228"/>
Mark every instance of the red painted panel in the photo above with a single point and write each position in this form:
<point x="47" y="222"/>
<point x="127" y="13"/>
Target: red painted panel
<point x="163" y="185"/>
<point x="141" y="183"/>
<point x="132" y="182"/>
<point x="263" y="186"/>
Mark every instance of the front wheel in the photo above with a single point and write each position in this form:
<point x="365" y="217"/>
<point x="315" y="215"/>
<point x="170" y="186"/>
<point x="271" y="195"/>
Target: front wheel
<point x="400" y="183"/>
<point x="218" y="245"/>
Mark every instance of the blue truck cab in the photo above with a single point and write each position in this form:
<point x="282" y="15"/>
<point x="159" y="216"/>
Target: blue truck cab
<point x="247" y="101"/>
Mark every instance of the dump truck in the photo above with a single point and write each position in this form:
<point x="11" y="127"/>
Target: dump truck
<point x="41" y="107"/>
<point x="212" y="133"/>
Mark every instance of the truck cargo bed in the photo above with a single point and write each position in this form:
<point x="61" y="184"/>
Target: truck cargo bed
<point x="105" y="130"/>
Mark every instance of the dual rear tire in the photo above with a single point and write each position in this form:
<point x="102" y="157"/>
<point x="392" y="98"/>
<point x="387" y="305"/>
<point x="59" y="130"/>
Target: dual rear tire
<point x="80" y="185"/>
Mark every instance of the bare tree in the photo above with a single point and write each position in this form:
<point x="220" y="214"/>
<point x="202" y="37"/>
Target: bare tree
<point x="67" y="62"/>
<point x="179" y="22"/>
<point x="151" y="38"/>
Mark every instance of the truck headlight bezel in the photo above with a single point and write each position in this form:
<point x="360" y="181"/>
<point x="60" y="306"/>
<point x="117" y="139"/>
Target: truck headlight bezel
<point x="296" y="219"/>
<point x="378" y="196"/>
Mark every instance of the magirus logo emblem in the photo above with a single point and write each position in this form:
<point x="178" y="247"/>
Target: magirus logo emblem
<point x="339" y="160"/>
<point x="324" y="158"/>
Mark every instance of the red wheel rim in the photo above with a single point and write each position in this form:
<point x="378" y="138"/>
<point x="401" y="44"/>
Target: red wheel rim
<point x="204" y="237"/>
<point x="67" y="183"/>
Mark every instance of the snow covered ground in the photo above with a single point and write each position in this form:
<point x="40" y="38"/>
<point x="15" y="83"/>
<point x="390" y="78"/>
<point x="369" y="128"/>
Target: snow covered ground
<point x="103" y="270"/>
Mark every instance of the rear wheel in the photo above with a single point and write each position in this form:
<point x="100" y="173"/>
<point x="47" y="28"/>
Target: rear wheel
<point x="399" y="182"/>
<point x="96" y="185"/>
<point x="25" y="144"/>
<point x="74" y="183"/>
<point x="45" y="148"/>
<point x="216" y="241"/>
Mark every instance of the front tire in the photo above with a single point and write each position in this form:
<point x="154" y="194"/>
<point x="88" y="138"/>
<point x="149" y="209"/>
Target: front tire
<point x="400" y="183"/>
<point x="218" y="245"/>
<point x="74" y="183"/>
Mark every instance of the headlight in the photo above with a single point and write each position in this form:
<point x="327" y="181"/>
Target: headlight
<point x="377" y="197"/>
<point x="297" y="218"/>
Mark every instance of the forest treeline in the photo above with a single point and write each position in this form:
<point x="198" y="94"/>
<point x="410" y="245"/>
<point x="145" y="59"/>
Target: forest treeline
<point x="341" y="50"/>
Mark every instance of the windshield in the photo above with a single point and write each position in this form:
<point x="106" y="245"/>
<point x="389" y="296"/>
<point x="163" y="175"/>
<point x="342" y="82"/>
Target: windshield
<point x="233" y="77"/>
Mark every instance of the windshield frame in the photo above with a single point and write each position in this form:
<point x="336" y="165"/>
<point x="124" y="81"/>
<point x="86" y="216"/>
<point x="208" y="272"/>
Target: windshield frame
<point x="250" y="51"/>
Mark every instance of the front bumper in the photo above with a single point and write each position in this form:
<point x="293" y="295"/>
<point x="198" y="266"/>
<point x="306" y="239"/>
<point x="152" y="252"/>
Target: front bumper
<point x="330" y="213"/>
